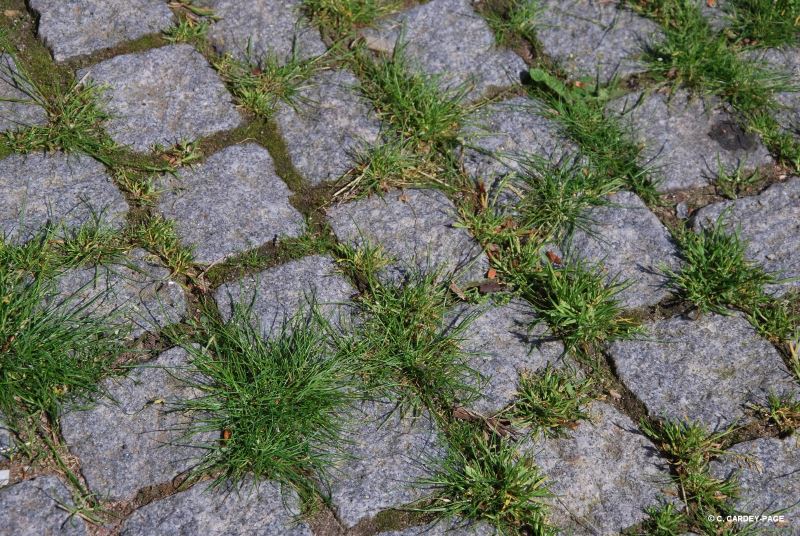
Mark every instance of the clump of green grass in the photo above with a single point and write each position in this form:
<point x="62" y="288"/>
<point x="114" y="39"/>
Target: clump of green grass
<point x="260" y="85"/>
<point x="783" y="411"/>
<point x="142" y="187"/>
<point x="486" y="478"/>
<point x="54" y="351"/>
<point x="778" y="319"/>
<point x="551" y="400"/>
<point x="405" y="348"/>
<point x="555" y="197"/>
<point x="580" y="109"/>
<point x="716" y="274"/>
<point x="513" y="19"/>
<point x="181" y="154"/>
<point x="765" y="23"/>
<point x="186" y="31"/>
<point x="574" y="300"/>
<point x="421" y="112"/>
<point x="91" y="243"/>
<point x="732" y="184"/>
<point x="665" y="520"/>
<point x="278" y="404"/>
<point x="159" y="236"/>
<point x="689" y="447"/>
<point x="344" y="16"/>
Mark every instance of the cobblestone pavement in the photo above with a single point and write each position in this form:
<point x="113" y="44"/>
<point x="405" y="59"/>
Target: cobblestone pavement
<point x="213" y="201"/>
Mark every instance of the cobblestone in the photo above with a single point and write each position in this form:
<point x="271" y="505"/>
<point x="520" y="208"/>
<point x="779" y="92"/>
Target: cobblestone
<point x="330" y="123"/>
<point x="770" y="223"/>
<point x="202" y="509"/>
<point x="135" y="294"/>
<point x="232" y="202"/>
<point x="17" y="108"/>
<point x="163" y="96"/>
<point x="131" y="439"/>
<point x="72" y="28"/>
<point x="279" y="293"/>
<point x="633" y="247"/>
<point x="687" y="140"/>
<point x="267" y="28"/>
<point x="591" y="38"/>
<point x="60" y="189"/>
<point x="416" y="230"/>
<point x="32" y="508"/>
<point x="705" y="370"/>
<point x="447" y="39"/>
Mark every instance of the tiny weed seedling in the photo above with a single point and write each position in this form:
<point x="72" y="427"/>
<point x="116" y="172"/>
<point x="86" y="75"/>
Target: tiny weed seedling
<point x="485" y="478"/>
<point x="278" y="404"/>
<point x="716" y="274"/>
<point x="259" y="86"/>
<point x="182" y="153"/>
<point x="550" y="400"/>
<point x="404" y="347"/>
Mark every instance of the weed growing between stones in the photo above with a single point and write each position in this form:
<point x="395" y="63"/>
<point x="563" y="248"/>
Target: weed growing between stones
<point x="550" y="400"/>
<point x="664" y="520"/>
<point x="782" y="411"/>
<point x="732" y="184"/>
<point x="280" y="402"/>
<point x="159" y="236"/>
<point x="511" y="20"/>
<point x="484" y="477"/>
<point x="764" y="23"/>
<point x="689" y="447"/>
<point x="343" y="17"/>
<point x="404" y="347"/>
<point x="91" y="243"/>
<point x="181" y="154"/>
<point x="259" y="85"/>
<point x="716" y="275"/>
<point x="193" y="23"/>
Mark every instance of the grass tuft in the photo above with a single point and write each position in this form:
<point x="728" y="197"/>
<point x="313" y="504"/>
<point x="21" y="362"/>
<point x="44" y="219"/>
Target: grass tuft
<point x="485" y="478"/>
<point x="278" y="404"/>
<point x="551" y="400"/>
<point x="345" y="16"/>
<point x="159" y="236"/>
<point x="764" y="23"/>
<point x="782" y="411"/>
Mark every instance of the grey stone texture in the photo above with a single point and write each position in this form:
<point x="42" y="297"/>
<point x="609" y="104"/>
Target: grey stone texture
<point x="686" y="139"/>
<point x="502" y="133"/>
<point x="447" y="38"/>
<point x="72" y="28"/>
<point x="17" y="108"/>
<point x="279" y="293"/>
<point x="131" y="439"/>
<point x="704" y="370"/>
<point x="258" y="510"/>
<point x="163" y="96"/>
<point x="136" y="294"/>
<point x="786" y="61"/>
<point x="603" y="474"/>
<point x="270" y="28"/>
<point x="61" y="189"/>
<point x="6" y="439"/>
<point x="632" y="245"/>
<point x="444" y="528"/>
<point x="770" y="223"/>
<point x="330" y="122"/>
<point x="31" y="508"/>
<point x="387" y="456"/>
<point x="594" y="38"/>
<point x="767" y="472"/>
<point x="416" y="230"/>
<point x="232" y="202"/>
<point x="503" y="342"/>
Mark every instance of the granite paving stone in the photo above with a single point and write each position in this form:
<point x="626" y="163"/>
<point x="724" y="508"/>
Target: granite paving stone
<point x="504" y="341"/>
<point x="501" y="133"/>
<point x="770" y="223"/>
<point x="786" y="61"/>
<point x="767" y="471"/>
<point x="603" y="474"/>
<point x="232" y="202"/>
<point x="258" y="510"/>
<point x="135" y="293"/>
<point x="328" y="125"/>
<point x="17" y="108"/>
<point x="632" y="245"/>
<point x="387" y="456"/>
<point x="446" y="38"/>
<point x="594" y="38"/>
<point x="417" y="231"/>
<point x="686" y="138"/>
<point x="443" y="528"/>
<point x="131" y="439"/>
<point x="72" y="28"/>
<point x="57" y="188"/>
<point x="32" y="508"/>
<point x="6" y="438"/>
<point x="704" y="370"/>
<point x="268" y="28"/>
<point x="279" y="293"/>
<point x="163" y="96"/>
